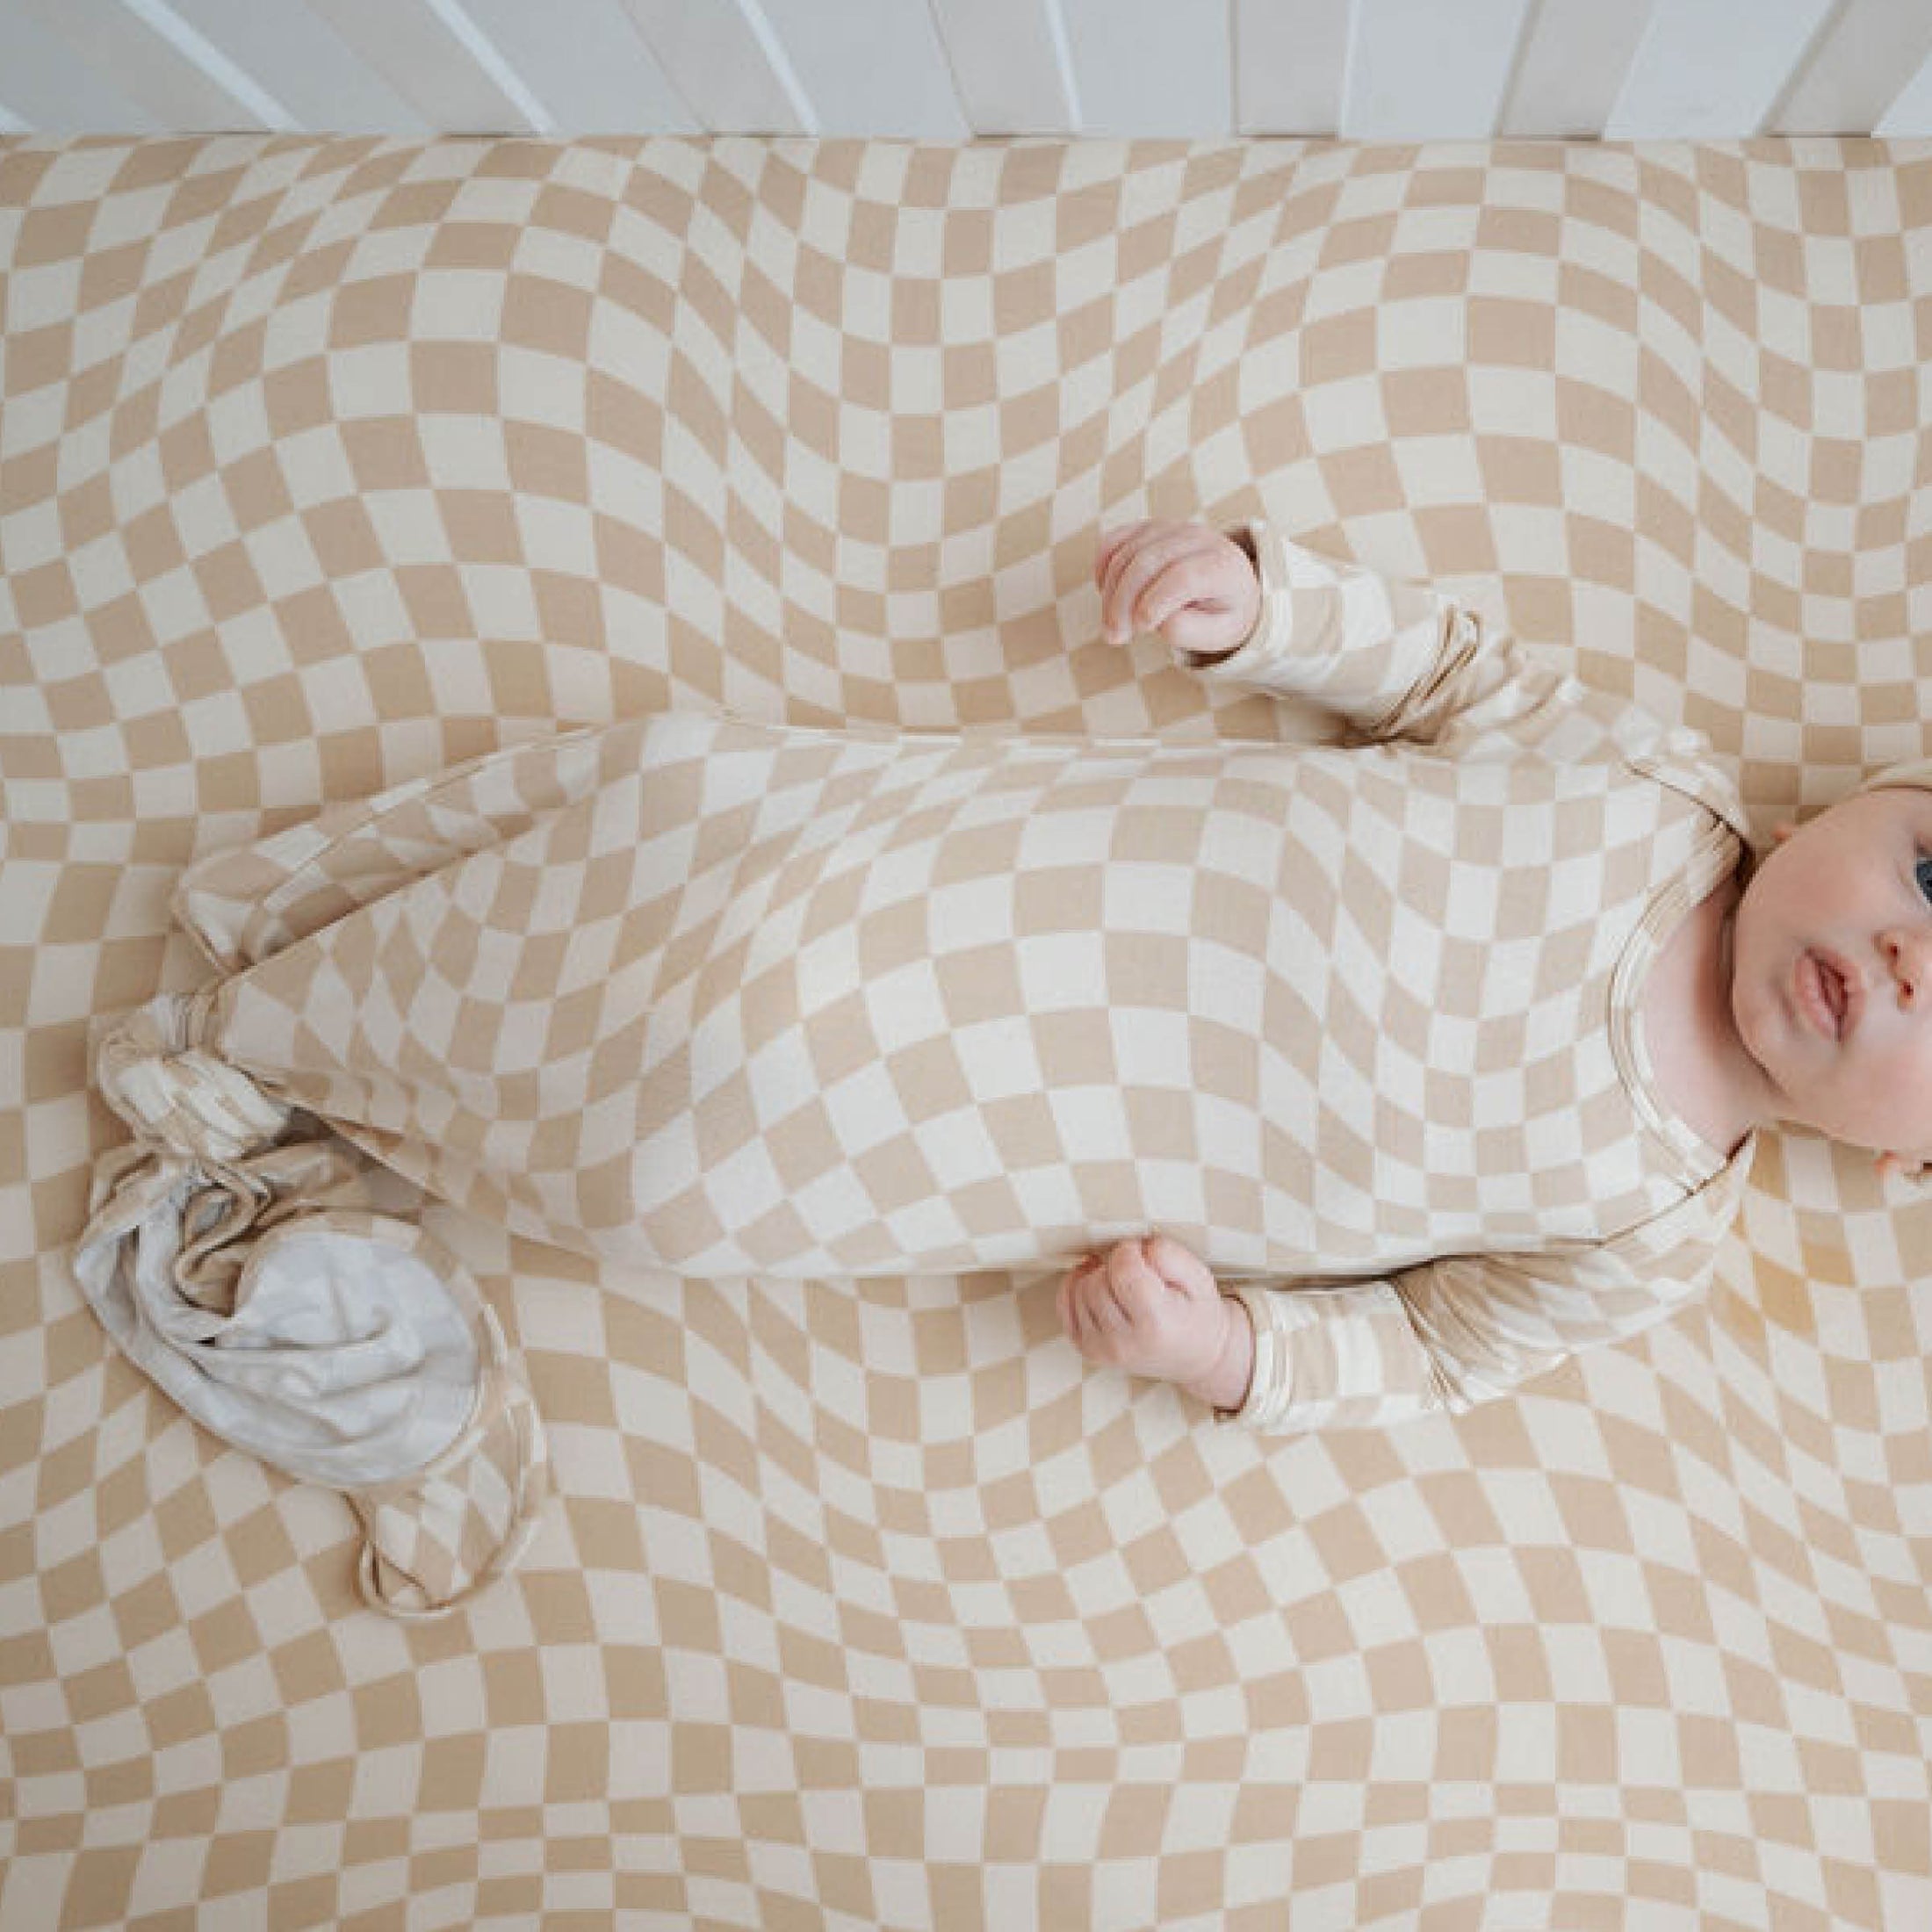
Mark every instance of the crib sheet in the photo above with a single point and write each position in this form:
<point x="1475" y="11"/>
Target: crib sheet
<point x="327" y="463"/>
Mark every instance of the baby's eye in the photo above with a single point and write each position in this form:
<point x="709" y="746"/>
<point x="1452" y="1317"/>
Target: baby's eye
<point x="1922" y="873"/>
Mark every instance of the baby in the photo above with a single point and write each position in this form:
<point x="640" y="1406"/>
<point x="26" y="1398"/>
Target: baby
<point x="1802" y="997"/>
<point x="1432" y="1056"/>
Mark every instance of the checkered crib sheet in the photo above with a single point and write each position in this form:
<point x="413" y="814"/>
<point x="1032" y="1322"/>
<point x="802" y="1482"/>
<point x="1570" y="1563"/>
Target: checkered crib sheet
<point x="326" y="465"/>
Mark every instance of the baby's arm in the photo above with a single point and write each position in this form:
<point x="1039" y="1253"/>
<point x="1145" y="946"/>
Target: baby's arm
<point x="1394" y="659"/>
<point x="1351" y="1355"/>
<point x="1436" y="1338"/>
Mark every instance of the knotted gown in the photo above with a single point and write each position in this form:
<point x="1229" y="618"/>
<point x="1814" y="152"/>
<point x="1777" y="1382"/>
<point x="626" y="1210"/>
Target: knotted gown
<point x="1358" y="1022"/>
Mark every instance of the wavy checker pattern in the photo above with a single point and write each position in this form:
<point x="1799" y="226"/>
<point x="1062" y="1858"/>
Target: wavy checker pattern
<point x="324" y="465"/>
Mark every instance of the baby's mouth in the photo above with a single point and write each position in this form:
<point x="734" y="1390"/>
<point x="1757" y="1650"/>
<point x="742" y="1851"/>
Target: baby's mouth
<point x="1824" y="993"/>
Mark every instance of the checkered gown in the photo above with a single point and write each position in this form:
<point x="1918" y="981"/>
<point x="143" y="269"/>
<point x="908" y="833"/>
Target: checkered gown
<point x="725" y="997"/>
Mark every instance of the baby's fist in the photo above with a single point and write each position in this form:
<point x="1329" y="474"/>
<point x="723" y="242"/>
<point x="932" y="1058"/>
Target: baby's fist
<point x="1149" y="1307"/>
<point x="1196" y="587"/>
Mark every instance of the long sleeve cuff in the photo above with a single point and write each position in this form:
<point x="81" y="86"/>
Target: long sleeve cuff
<point x="1394" y="659"/>
<point x="1345" y="1356"/>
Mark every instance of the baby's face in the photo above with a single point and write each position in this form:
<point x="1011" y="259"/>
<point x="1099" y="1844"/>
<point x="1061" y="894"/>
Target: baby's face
<point x="1831" y="972"/>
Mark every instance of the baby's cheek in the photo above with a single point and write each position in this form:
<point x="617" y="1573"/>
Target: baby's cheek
<point x="1884" y="1100"/>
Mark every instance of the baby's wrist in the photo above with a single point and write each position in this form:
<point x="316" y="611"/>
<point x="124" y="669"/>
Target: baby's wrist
<point x="1225" y="1384"/>
<point x="1253" y="591"/>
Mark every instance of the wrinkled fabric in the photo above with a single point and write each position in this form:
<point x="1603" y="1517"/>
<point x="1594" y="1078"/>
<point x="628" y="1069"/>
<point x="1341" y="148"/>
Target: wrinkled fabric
<point x="231" y="1256"/>
<point x="1914" y="772"/>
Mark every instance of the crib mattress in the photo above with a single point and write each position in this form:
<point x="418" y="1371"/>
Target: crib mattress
<point x="327" y="463"/>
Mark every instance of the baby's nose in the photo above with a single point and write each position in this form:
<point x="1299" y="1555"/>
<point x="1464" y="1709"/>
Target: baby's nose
<point x="1908" y="951"/>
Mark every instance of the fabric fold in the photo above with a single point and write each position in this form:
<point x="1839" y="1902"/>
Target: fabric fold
<point x="234" y="1254"/>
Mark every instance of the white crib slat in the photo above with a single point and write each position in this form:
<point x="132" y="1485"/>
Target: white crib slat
<point x="1152" y="67"/>
<point x="1909" y="117"/>
<point x="1009" y="59"/>
<point x="1853" y="73"/>
<point x="1290" y="56"/>
<point x="726" y="62"/>
<point x="1571" y="68"/>
<point x="949" y="69"/>
<point x="870" y="66"/>
<point x="132" y="57"/>
<point x="1419" y="70"/>
<point x="49" y="88"/>
<point x="292" y="54"/>
<point x="430" y="66"/>
<point x="1708" y="71"/>
<point x="598" y="78"/>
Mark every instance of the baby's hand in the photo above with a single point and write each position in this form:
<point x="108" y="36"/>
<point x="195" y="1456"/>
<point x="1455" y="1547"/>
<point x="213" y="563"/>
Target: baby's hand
<point x="1195" y="587"/>
<point x="1154" y="1309"/>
